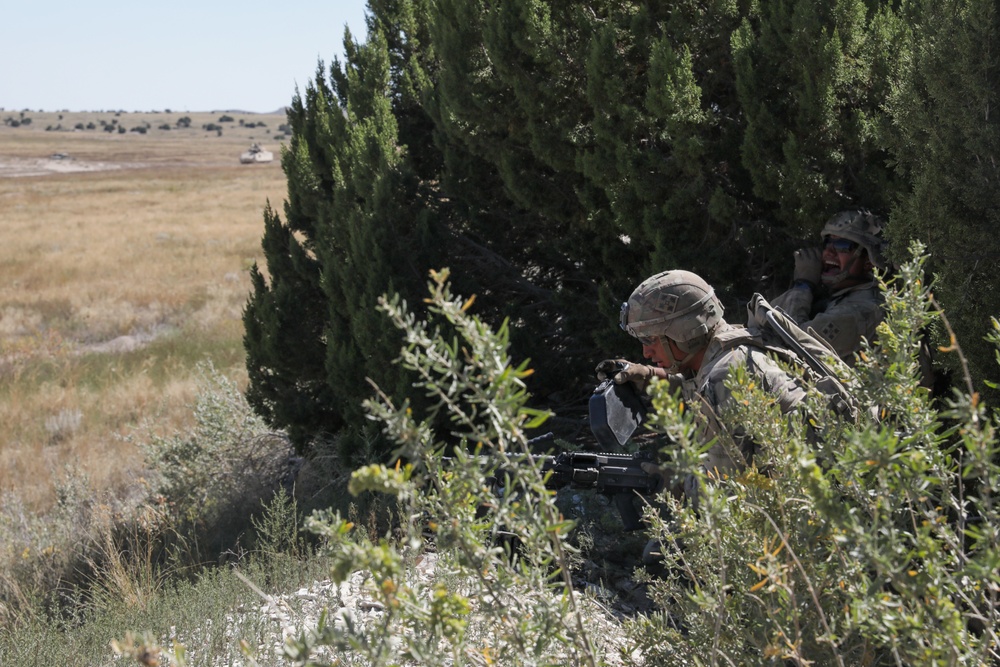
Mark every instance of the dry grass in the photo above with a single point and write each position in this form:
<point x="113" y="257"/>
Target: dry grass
<point x="115" y="282"/>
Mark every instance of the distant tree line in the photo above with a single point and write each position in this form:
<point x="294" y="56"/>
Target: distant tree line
<point x="184" y="122"/>
<point x="552" y="155"/>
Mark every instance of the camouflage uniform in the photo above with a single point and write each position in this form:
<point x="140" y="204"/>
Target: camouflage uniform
<point x="841" y="319"/>
<point x="708" y="391"/>
<point x="679" y="310"/>
<point x="842" y="315"/>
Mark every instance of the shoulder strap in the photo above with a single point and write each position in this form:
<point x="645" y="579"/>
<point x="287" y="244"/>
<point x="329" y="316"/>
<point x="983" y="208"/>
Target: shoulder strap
<point x="759" y="338"/>
<point x="811" y="350"/>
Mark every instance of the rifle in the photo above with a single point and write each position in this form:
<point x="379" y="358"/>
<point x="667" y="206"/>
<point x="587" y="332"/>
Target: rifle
<point x="616" y="412"/>
<point x="618" y="476"/>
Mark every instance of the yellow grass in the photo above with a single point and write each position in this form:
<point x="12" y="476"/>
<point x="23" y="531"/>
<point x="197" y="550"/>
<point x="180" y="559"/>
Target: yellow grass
<point x="115" y="282"/>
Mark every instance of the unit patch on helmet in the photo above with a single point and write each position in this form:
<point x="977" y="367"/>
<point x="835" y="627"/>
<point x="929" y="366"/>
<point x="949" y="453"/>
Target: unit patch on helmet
<point x="664" y="302"/>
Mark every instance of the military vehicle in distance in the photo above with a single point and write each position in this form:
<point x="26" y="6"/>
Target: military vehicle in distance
<point x="256" y="154"/>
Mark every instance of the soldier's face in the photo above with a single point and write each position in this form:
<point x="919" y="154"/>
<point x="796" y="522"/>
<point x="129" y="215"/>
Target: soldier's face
<point x="840" y="255"/>
<point x="664" y="353"/>
<point x="652" y="349"/>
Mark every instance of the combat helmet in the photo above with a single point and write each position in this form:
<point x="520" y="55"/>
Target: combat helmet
<point x="862" y="227"/>
<point x="678" y="305"/>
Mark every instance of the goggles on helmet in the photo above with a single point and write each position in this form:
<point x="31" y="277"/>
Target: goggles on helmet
<point x="623" y="323"/>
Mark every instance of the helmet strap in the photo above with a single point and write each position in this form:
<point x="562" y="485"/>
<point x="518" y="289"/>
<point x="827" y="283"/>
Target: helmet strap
<point x="677" y="365"/>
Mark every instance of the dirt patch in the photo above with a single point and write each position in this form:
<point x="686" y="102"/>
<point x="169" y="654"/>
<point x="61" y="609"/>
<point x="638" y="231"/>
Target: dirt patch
<point x="13" y="167"/>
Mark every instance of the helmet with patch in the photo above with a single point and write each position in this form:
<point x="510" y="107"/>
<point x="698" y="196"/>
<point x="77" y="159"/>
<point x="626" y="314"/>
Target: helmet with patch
<point x="862" y="227"/>
<point x="679" y="305"/>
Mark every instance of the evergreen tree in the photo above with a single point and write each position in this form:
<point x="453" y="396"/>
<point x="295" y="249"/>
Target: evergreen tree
<point x="506" y="104"/>
<point x="359" y="226"/>
<point x="812" y="80"/>
<point x="284" y="339"/>
<point x="553" y="155"/>
<point x="665" y="132"/>
<point x="945" y="139"/>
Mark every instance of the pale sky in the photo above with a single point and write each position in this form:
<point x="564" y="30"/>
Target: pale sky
<point x="180" y="55"/>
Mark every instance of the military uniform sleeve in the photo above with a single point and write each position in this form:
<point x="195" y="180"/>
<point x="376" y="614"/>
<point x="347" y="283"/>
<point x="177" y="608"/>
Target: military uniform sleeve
<point x="726" y="455"/>
<point x="796" y="302"/>
<point x="734" y="448"/>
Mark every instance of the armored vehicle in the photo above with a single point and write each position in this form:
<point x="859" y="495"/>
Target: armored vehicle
<point x="256" y="154"/>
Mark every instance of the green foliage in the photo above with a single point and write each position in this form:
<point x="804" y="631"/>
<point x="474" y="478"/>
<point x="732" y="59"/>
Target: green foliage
<point x="870" y="544"/>
<point x="945" y="141"/>
<point x="812" y="88"/>
<point x="358" y="225"/>
<point x="209" y="476"/>
<point x="553" y="155"/>
<point x="503" y="602"/>
<point x="277" y="530"/>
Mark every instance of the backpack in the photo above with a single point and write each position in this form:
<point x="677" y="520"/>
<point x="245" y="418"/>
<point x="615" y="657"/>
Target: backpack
<point x="771" y="330"/>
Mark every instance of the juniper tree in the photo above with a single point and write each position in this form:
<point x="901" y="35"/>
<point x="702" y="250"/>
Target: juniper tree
<point x="552" y="155"/>
<point x="357" y="225"/>
<point x="812" y="81"/>
<point x="945" y="142"/>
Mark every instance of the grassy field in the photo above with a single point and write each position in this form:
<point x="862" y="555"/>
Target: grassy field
<point x="123" y="265"/>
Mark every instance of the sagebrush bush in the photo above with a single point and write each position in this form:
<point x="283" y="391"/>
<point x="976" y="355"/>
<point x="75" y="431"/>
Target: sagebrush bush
<point x="864" y="544"/>
<point x="873" y="543"/>
<point x="227" y="462"/>
<point x="502" y="592"/>
<point x="197" y="504"/>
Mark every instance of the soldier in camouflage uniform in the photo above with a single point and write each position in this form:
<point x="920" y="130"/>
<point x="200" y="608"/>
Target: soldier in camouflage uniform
<point x="677" y="318"/>
<point x="835" y="292"/>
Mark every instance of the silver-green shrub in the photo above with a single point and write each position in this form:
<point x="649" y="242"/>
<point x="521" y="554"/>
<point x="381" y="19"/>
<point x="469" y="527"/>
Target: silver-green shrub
<point x="501" y="593"/>
<point x="229" y="461"/>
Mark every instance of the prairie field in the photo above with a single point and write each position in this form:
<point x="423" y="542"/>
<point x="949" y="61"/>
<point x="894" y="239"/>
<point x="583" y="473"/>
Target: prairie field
<point x="124" y="266"/>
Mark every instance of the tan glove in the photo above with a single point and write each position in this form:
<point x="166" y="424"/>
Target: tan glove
<point x="622" y="371"/>
<point x="808" y="265"/>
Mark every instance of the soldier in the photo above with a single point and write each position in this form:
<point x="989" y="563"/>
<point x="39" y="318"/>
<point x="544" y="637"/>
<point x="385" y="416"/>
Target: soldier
<point x="677" y="318"/>
<point x="835" y="292"/>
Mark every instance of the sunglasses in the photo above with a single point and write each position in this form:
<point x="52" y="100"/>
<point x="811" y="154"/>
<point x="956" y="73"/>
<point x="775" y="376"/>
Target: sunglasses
<point x="840" y="245"/>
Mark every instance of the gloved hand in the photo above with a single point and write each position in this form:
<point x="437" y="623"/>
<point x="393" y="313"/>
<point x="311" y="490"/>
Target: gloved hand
<point x="808" y="265"/>
<point x="622" y="371"/>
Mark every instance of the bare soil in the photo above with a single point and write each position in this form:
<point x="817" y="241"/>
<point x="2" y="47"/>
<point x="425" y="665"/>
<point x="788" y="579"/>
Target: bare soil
<point x="13" y="167"/>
